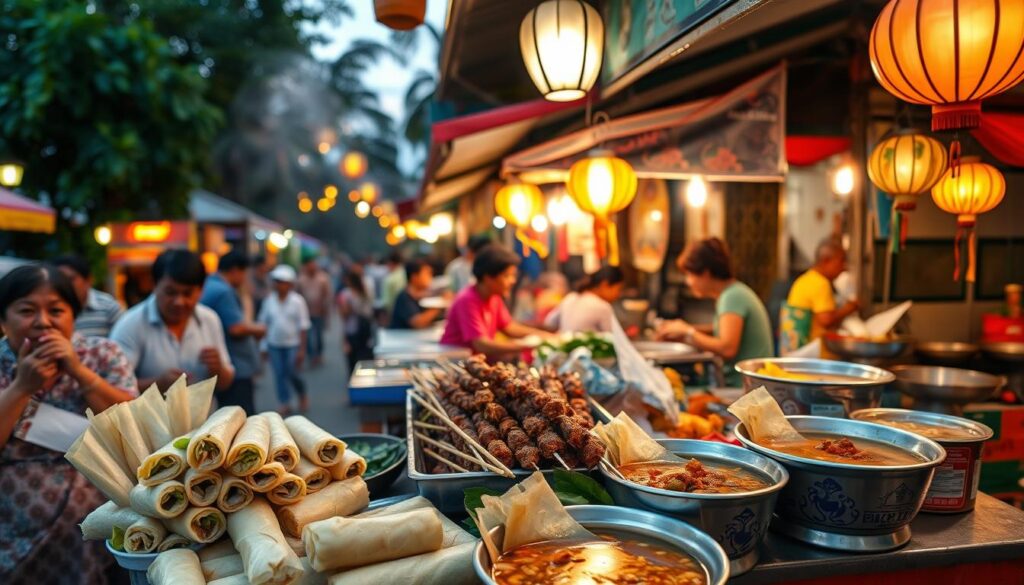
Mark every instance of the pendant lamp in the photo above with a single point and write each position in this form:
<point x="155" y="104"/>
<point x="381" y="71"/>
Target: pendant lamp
<point x="601" y="185"/>
<point x="400" y="14"/>
<point x="517" y="203"/>
<point x="967" y="190"/>
<point x="562" y="42"/>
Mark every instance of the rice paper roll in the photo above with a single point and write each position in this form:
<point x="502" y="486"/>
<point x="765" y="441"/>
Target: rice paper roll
<point x="283" y="448"/>
<point x="173" y="541"/>
<point x="178" y="412"/>
<point x="448" y="566"/>
<point x="235" y="494"/>
<point x="222" y="548"/>
<point x="232" y="580"/>
<point x="210" y="443"/>
<point x="202" y="487"/>
<point x="291" y="489"/>
<point x="352" y="464"/>
<point x="296" y="544"/>
<point x="166" y="500"/>
<point x="133" y="442"/>
<point x="104" y="428"/>
<point x="164" y="464"/>
<point x="200" y="400"/>
<point x="266" y="555"/>
<point x="150" y="414"/>
<point x="221" y="567"/>
<point x="144" y="536"/>
<point x="91" y="459"/>
<point x="316" y="444"/>
<point x="202" y="525"/>
<point x="267" y="477"/>
<point x="344" y="543"/>
<point x="178" y="566"/>
<point x="249" y="448"/>
<point x="340" y="498"/>
<point x="316" y="477"/>
<point x="100" y="523"/>
<point x="453" y="533"/>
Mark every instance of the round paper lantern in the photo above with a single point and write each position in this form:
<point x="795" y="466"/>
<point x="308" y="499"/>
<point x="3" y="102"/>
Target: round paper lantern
<point x="601" y="185"/>
<point x="970" y="188"/>
<point x="400" y="14"/>
<point x="562" y="42"/>
<point x="949" y="54"/>
<point x="518" y="203"/>
<point x="353" y="165"/>
<point x="906" y="165"/>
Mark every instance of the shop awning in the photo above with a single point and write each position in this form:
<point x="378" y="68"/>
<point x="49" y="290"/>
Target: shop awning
<point x="205" y="207"/>
<point x="21" y="214"/>
<point x="1002" y="134"/>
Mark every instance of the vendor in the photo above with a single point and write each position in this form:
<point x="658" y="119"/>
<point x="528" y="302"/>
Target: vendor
<point x="479" y="313"/>
<point x="408" y="314"/>
<point x="42" y="361"/>
<point x="810" y="309"/>
<point x="741" y="329"/>
<point x="590" y="309"/>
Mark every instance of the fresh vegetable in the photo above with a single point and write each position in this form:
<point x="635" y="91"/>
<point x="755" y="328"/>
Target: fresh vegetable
<point x="172" y="499"/>
<point x="181" y="443"/>
<point x="117" y="539"/>
<point x="599" y="346"/>
<point x="378" y="457"/>
<point x="162" y="464"/>
<point x="245" y="461"/>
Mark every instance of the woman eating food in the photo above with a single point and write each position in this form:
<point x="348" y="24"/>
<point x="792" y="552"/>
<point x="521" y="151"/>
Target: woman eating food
<point x="48" y="377"/>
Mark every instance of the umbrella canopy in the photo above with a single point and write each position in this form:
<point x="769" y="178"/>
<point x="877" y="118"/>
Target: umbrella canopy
<point x="21" y="214"/>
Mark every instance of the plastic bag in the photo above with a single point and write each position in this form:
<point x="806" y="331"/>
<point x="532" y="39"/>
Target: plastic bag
<point x="648" y="380"/>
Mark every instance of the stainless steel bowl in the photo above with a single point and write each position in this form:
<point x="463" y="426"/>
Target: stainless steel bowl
<point x="738" y="521"/>
<point x="945" y="390"/>
<point x="856" y="348"/>
<point x="647" y="526"/>
<point x="1004" y="351"/>
<point x="379" y="482"/>
<point x="864" y="508"/>
<point x="946" y="353"/>
<point x="661" y="351"/>
<point x="862" y="389"/>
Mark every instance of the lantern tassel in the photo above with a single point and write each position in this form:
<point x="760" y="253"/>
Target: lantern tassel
<point x="613" y="244"/>
<point x="956" y="253"/>
<point x="525" y="241"/>
<point x="972" y="254"/>
<point x="904" y="228"/>
<point x="562" y="242"/>
<point x="894" y="242"/>
<point x="601" y="237"/>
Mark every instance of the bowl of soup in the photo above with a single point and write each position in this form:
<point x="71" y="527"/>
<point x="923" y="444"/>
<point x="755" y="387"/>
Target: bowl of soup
<point x="727" y="491"/>
<point x="631" y="546"/>
<point x="816" y="387"/>
<point x="853" y="485"/>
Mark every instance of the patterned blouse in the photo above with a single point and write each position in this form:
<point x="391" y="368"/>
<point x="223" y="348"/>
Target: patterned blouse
<point x="43" y="498"/>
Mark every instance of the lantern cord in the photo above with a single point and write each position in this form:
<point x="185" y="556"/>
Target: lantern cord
<point x="972" y="254"/>
<point x="893" y="223"/>
<point x="954" y="155"/>
<point x="956" y="253"/>
<point x="613" y="244"/>
<point x="904" y="228"/>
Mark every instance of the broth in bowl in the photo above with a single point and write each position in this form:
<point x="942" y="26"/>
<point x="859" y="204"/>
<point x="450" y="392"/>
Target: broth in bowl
<point x="693" y="476"/>
<point x="840" y="449"/>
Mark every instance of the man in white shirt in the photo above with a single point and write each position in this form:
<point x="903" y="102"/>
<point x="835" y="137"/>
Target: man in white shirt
<point x="99" y="310"/>
<point x="170" y="333"/>
<point x="286" y="316"/>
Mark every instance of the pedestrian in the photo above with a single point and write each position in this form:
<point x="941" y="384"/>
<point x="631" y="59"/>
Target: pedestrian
<point x="460" y="270"/>
<point x="169" y="333"/>
<point x="408" y="313"/>
<point x="99" y="310"/>
<point x="315" y="287"/>
<point x="590" y="309"/>
<point x="356" y="308"/>
<point x="259" y="282"/>
<point x="224" y="293"/>
<point x="394" y="283"/>
<point x="287" y="319"/>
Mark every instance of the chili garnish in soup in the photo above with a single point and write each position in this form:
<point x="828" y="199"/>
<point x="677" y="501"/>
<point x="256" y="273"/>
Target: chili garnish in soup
<point x="693" y="476"/>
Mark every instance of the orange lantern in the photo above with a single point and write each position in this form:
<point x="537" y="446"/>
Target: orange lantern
<point x="518" y="203"/>
<point x="368" y="193"/>
<point x="906" y="165"/>
<point x="967" y="190"/>
<point x="400" y="14"/>
<point x="601" y="185"/>
<point x="948" y="54"/>
<point x="353" y="165"/>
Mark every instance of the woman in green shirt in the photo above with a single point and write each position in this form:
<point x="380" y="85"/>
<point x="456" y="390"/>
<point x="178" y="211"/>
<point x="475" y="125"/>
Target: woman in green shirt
<point x="741" y="329"/>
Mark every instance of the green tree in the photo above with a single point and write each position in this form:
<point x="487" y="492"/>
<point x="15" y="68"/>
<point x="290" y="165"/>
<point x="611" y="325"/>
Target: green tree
<point x="420" y="93"/>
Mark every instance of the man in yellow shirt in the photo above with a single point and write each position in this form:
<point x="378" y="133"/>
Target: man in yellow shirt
<point x="810" y="309"/>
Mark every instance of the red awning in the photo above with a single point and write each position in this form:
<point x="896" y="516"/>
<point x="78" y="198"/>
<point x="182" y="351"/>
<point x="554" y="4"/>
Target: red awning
<point x="1002" y="135"/>
<point x="456" y="127"/>
<point x="802" y="151"/>
<point x="21" y="214"/>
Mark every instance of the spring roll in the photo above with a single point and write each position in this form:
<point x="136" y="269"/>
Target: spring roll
<point x="340" y="498"/>
<point x="449" y="566"/>
<point x="166" y="500"/>
<point x="249" y="448"/>
<point x="211" y="441"/>
<point x="133" y="442"/>
<point x="222" y="548"/>
<point x="203" y="525"/>
<point x="345" y="543"/>
<point x="166" y="463"/>
<point x="453" y="533"/>
<point x="232" y="580"/>
<point x="105" y="430"/>
<point x="179" y="566"/>
<point x="222" y="567"/>
<point x="178" y="407"/>
<point x="92" y="460"/>
<point x="282" y="446"/>
<point x="200" y="400"/>
<point x="319" y="446"/>
<point x="235" y="494"/>
<point x="266" y="556"/>
<point x="316" y="477"/>
<point x="173" y="541"/>
<point x="150" y="414"/>
<point x="100" y="523"/>
<point x="351" y="465"/>
<point x="296" y="544"/>
<point x="290" y="490"/>
<point x="202" y="487"/>
<point x="144" y="536"/>
<point x="266" y="477"/>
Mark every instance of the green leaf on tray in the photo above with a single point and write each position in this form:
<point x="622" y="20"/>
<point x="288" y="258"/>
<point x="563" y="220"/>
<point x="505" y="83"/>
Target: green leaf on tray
<point x="117" y="539"/>
<point x="469" y="526"/>
<point x="472" y="498"/>
<point x="181" y="443"/>
<point x="576" y="488"/>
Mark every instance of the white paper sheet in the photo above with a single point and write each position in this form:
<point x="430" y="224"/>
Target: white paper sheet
<point x="53" y="428"/>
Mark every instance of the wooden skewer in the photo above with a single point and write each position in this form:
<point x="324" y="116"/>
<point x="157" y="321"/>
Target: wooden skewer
<point x="449" y="448"/>
<point x="437" y="456"/>
<point x="562" y="461"/>
<point x="431" y="395"/>
<point x="432" y="427"/>
<point x="469" y="440"/>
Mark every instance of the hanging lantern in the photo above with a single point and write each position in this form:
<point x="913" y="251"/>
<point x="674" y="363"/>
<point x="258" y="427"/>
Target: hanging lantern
<point x="906" y="165"/>
<point x="967" y="190"/>
<point x="562" y="42"/>
<point x="368" y="193"/>
<point x="518" y="203"/>
<point x="601" y="185"/>
<point x="353" y="165"/>
<point x="400" y="14"/>
<point x="949" y="55"/>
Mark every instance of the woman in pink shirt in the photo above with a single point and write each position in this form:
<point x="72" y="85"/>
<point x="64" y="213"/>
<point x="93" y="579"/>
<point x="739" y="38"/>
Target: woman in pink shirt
<point x="479" y="311"/>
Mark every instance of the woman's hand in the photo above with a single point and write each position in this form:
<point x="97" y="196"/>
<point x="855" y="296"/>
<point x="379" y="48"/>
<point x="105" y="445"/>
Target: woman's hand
<point x="33" y="371"/>
<point x="672" y="330"/>
<point x="56" y="347"/>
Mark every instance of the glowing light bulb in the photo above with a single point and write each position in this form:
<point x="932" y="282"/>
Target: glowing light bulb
<point x="697" y="192"/>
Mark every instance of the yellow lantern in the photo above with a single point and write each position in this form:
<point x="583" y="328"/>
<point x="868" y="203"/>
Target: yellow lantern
<point x="966" y="190"/>
<point x="562" y="42"/>
<point x="906" y="165"/>
<point x="353" y="165"/>
<point x="305" y="205"/>
<point x="601" y="185"/>
<point x="949" y="55"/>
<point x="368" y="193"/>
<point x="518" y="203"/>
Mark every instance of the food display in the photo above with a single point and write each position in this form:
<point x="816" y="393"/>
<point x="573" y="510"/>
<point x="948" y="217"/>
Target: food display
<point x="600" y="346"/>
<point x="694" y="477"/>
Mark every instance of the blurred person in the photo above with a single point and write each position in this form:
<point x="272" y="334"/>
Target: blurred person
<point x="394" y="283"/>
<point x="224" y="293"/>
<point x="408" y="314"/>
<point x="356" y="308"/>
<point x="99" y="310"/>
<point x="479" y="313"/>
<point x="315" y="287"/>
<point x="170" y="333"/>
<point x="374" y="273"/>
<point x="259" y="282"/>
<point x="44" y="365"/>
<point x="287" y="320"/>
<point x="810" y="308"/>
<point x="590" y="309"/>
<point x="741" y="329"/>
<point x="460" y="270"/>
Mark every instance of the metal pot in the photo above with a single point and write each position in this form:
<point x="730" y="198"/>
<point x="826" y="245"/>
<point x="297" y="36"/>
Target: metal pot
<point x="739" y="522"/>
<point x="864" y="508"/>
<point x="1004" y="351"/>
<point x="630" y="522"/>
<point x="848" y="347"/>
<point x="946" y="353"/>
<point x="945" y="390"/>
<point x="821" y="397"/>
